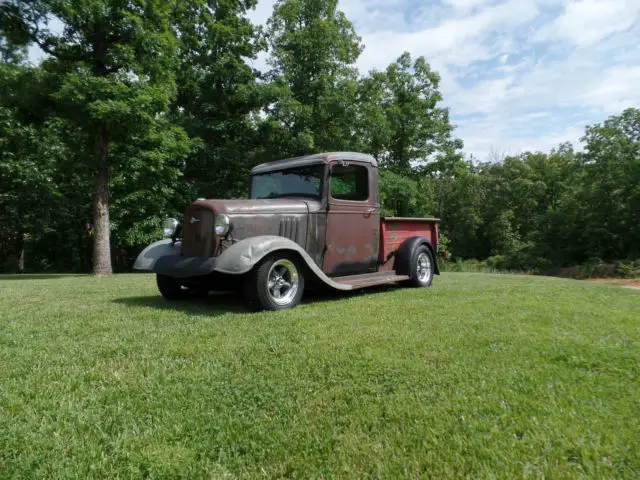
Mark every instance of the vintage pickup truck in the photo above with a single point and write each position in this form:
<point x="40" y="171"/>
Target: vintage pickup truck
<point x="311" y="221"/>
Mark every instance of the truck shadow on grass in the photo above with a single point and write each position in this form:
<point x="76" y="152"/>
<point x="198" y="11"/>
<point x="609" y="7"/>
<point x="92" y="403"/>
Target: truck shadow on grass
<point x="38" y="276"/>
<point x="220" y="303"/>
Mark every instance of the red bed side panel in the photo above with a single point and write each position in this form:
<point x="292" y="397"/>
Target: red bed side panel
<point x="394" y="231"/>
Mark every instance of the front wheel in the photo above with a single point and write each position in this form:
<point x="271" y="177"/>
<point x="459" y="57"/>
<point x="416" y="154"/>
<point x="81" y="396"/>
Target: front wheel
<point x="276" y="284"/>
<point x="172" y="289"/>
<point x="421" y="273"/>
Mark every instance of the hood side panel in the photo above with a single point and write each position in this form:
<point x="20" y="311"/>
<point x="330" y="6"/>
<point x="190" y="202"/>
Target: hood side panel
<point x="293" y="227"/>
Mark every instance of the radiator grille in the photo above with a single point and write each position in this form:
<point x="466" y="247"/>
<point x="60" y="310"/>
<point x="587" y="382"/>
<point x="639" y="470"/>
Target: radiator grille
<point x="198" y="237"/>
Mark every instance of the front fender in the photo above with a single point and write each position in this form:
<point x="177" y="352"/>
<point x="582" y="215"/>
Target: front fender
<point x="241" y="257"/>
<point x="150" y="255"/>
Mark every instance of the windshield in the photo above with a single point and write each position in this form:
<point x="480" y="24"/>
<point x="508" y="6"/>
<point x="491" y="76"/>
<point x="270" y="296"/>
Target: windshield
<point x="302" y="182"/>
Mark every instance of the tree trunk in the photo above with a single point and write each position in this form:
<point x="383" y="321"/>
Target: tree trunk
<point x="101" y="246"/>
<point x="20" y="254"/>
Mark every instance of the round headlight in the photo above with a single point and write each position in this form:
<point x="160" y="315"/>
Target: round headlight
<point x="222" y="224"/>
<point x="170" y="226"/>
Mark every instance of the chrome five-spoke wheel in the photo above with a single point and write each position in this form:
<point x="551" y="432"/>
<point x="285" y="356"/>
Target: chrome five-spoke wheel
<point x="423" y="267"/>
<point x="283" y="281"/>
<point x="276" y="283"/>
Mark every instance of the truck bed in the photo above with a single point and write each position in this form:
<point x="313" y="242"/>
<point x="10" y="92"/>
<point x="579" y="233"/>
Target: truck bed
<point x="395" y="230"/>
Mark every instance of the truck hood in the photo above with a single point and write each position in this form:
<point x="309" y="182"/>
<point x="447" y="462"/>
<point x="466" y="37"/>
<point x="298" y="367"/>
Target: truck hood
<point x="256" y="207"/>
<point x="287" y="218"/>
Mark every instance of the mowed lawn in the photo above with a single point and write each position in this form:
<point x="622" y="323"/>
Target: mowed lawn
<point x="479" y="376"/>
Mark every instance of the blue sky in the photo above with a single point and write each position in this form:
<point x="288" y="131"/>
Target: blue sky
<point x="516" y="74"/>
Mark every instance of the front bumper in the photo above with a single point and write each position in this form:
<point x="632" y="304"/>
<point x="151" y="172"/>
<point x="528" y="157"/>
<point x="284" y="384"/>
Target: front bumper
<point x="184" y="267"/>
<point x="164" y="257"/>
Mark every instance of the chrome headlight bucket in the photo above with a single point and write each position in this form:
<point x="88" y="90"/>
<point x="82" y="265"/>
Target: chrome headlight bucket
<point x="222" y="224"/>
<point x="170" y="227"/>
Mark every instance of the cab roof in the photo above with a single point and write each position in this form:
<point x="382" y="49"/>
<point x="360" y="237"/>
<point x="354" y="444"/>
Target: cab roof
<point x="314" y="159"/>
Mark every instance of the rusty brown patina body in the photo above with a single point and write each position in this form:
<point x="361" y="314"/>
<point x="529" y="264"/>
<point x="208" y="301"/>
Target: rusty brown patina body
<point x="312" y="220"/>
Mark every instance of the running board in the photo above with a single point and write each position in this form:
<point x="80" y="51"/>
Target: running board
<point x="369" y="279"/>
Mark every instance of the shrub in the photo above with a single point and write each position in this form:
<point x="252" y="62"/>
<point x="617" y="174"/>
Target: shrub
<point x="628" y="269"/>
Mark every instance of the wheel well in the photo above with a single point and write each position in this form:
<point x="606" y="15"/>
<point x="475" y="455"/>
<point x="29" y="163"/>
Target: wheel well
<point x="309" y="275"/>
<point x="404" y="255"/>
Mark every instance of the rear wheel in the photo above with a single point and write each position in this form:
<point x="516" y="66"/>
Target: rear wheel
<point x="172" y="289"/>
<point x="276" y="284"/>
<point x="421" y="272"/>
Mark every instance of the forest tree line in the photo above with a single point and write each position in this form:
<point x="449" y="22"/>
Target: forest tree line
<point x="141" y="106"/>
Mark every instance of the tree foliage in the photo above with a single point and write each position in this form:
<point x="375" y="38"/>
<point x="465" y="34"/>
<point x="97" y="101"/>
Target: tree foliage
<point x="218" y="94"/>
<point x="113" y="65"/>
<point x="313" y="51"/>
<point x="402" y="123"/>
<point x="537" y="211"/>
<point x="141" y="106"/>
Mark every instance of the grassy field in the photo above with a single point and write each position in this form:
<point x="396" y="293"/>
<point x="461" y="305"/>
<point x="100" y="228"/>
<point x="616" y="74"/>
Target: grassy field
<point x="480" y="376"/>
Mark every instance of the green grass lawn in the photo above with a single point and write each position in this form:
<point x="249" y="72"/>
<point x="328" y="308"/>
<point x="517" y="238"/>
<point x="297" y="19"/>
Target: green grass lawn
<point x="479" y="376"/>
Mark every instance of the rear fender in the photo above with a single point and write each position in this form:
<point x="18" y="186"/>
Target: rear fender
<point x="402" y="265"/>
<point x="242" y="256"/>
<point x="150" y="255"/>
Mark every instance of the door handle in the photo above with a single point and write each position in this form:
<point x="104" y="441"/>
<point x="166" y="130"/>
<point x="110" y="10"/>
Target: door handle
<point x="369" y="212"/>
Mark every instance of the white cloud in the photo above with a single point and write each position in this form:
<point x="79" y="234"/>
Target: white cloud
<point x="485" y="97"/>
<point x="458" y="41"/>
<point x="509" y="93"/>
<point x="516" y="74"/>
<point x="466" y="6"/>
<point x="586" y="22"/>
<point x="528" y="133"/>
<point x="615" y="90"/>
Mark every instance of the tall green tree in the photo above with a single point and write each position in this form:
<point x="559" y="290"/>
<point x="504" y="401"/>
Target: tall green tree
<point x="458" y="201"/>
<point x="218" y="93"/>
<point x="115" y="62"/>
<point x="402" y="122"/>
<point x="611" y="187"/>
<point x="26" y="167"/>
<point x="42" y="196"/>
<point x="314" y="48"/>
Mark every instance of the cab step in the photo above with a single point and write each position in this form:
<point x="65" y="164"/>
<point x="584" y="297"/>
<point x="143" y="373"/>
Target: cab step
<point x="370" y="279"/>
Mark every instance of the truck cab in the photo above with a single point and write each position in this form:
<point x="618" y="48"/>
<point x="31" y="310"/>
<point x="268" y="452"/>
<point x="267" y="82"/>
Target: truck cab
<point x="311" y="220"/>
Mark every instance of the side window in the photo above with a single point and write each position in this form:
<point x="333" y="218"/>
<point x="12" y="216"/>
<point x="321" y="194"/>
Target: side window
<point x="349" y="182"/>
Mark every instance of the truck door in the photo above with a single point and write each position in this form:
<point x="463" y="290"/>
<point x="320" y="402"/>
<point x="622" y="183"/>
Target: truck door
<point x="353" y="220"/>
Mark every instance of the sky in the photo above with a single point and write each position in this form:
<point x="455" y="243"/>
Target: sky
<point x="517" y="75"/>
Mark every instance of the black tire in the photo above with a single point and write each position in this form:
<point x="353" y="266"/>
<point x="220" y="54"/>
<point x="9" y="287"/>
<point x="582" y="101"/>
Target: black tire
<point x="282" y="268"/>
<point x="197" y="291"/>
<point x="172" y="289"/>
<point x="424" y="278"/>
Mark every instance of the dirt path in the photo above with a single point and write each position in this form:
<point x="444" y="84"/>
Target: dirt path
<point x="633" y="283"/>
